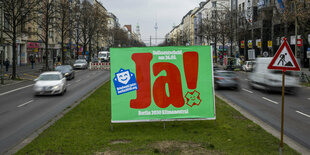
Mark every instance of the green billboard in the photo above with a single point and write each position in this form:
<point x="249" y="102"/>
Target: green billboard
<point x="162" y="84"/>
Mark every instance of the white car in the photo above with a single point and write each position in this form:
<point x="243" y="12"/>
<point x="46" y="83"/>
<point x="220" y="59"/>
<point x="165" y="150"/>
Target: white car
<point x="80" y="64"/>
<point x="248" y="66"/>
<point x="50" y="83"/>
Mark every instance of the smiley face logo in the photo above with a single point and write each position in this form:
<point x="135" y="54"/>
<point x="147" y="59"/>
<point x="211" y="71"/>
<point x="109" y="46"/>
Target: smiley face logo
<point x="123" y="77"/>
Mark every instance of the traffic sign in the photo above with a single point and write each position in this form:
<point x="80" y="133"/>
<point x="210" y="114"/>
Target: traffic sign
<point x="284" y="59"/>
<point x="269" y="43"/>
<point x="299" y="42"/>
<point x="250" y="43"/>
<point x="265" y="54"/>
<point x="259" y="44"/>
<point x="242" y="43"/>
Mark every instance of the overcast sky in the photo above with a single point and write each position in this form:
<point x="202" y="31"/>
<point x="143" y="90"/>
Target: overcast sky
<point x="146" y="12"/>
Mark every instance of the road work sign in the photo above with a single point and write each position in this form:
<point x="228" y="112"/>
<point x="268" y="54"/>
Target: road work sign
<point x="284" y="59"/>
<point x="162" y="84"/>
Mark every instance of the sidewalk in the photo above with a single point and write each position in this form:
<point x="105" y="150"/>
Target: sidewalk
<point x="24" y="73"/>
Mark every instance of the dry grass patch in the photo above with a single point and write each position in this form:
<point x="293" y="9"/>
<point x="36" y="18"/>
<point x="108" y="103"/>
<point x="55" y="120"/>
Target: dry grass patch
<point x="188" y="148"/>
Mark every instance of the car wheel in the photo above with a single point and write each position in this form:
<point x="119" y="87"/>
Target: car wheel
<point x="237" y="88"/>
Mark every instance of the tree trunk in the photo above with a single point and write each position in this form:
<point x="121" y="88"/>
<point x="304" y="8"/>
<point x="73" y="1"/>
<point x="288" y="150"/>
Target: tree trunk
<point x="14" y="54"/>
<point x="89" y="51"/>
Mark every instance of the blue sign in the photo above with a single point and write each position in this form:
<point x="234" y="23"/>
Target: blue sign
<point x="125" y="81"/>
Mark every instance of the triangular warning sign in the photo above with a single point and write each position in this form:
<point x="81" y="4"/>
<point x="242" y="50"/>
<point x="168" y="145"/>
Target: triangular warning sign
<point x="284" y="59"/>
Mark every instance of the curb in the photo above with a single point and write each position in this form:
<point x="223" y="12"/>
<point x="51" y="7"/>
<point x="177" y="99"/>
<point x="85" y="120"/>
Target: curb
<point x="293" y="144"/>
<point x="36" y="133"/>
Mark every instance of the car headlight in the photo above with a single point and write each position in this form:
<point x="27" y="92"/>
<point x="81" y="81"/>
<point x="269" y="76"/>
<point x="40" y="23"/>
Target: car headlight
<point x="56" y="87"/>
<point x="66" y="74"/>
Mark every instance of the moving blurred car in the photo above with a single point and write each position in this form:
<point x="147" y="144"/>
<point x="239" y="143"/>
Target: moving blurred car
<point x="271" y="80"/>
<point x="225" y="79"/>
<point x="248" y="66"/>
<point x="215" y="68"/>
<point x="80" y="64"/>
<point x="50" y="83"/>
<point x="66" y="70"/>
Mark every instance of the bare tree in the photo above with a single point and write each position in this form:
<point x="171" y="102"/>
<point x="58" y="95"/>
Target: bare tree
<point x="97" y="26"/>
<point x="46" y="22"/>
<point x="86" y="24"/>
<point x="76" y="19"/>
<point x="16" y="15"/>
<point x="63" y="23"/>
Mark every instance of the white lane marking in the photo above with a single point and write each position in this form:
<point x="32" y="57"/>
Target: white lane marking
<point x="270" y="100"/>
<point x="246" y="79"/>
<point x="308" y="98"/>
<point x="78" y="80"/>
<point x="303" y="114"/>
<point x="25" y="103"/>
<point x="247" y="91"/>
<point x="69" y="84"/>
<point x="11" y="91"/>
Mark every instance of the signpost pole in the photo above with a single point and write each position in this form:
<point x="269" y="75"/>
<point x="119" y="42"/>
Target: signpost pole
<point x="282" y="112"/>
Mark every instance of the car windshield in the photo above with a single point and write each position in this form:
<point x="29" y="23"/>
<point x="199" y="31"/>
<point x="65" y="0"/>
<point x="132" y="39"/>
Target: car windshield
<point x="102" y="55"/>
<point x="250" y="63"/>
<point x="80" y="61"/>
<point x="49" y="77"/>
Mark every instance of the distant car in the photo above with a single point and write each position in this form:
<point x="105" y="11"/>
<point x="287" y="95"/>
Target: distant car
<point x="104" y="56"/>
<point x="80" y="64"/>
<point x="66" y="70"/>
<point x="95" y="60"/>
<point x="50" y="83"/>
<point x="248" y="66"/>
<point x="225" y="79"/>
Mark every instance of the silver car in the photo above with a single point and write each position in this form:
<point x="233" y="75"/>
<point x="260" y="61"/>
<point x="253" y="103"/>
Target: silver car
<point x="80" y="64"/>
<point x="50" y="83"/>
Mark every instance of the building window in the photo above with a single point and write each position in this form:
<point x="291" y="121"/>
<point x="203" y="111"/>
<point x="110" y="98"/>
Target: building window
<point x="214" y="4"/>
<point x="6" y="22"/>
<point x="243" y="6"/>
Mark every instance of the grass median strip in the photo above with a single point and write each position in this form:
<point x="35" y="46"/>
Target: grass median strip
<point x="86" y="130"/>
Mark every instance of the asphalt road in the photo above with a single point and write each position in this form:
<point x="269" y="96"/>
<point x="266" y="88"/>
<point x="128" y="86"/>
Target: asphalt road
<point x="22" y="113"/>
<point x="267" y="107"/>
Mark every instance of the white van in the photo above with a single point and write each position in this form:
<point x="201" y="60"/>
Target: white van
<point x="271" y="80"/>
<point x="104" y="56"/>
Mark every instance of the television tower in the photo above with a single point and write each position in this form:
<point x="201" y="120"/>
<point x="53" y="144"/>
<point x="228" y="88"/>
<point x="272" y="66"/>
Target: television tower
<point x="156" y="28"/>
<point x="138" y="31"/>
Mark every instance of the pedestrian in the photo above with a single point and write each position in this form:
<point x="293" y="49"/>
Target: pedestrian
<point x="32" y="60"/>
<point x="7" y="64"/>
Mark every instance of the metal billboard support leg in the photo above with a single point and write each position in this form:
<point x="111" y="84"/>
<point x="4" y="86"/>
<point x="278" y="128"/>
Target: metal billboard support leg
<point x="215" y="123"/>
